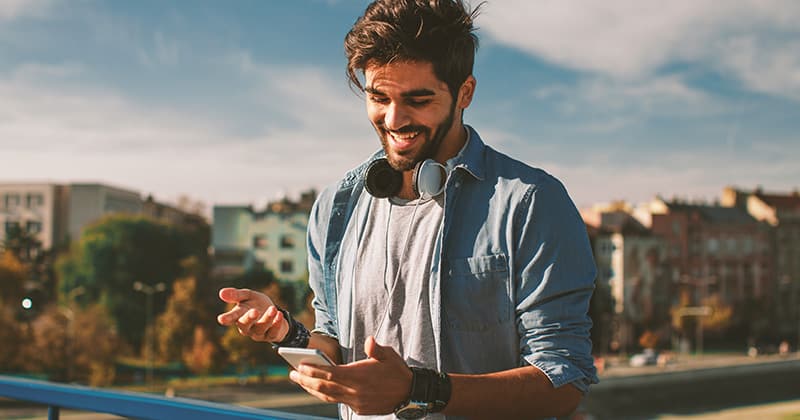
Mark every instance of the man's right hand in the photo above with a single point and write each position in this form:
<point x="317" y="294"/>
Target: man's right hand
<point x="254" y="315"/>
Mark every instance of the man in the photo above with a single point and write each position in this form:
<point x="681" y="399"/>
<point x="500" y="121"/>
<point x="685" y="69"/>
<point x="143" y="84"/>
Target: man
<point x="459" y="288"/>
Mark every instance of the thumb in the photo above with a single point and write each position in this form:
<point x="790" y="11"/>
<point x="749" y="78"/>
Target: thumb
<point x="376" y="351"/>
<point x="232" y="295"/>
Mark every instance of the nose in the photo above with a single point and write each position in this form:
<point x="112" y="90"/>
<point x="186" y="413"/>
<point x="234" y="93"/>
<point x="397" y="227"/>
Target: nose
<point x="395" y="117"/>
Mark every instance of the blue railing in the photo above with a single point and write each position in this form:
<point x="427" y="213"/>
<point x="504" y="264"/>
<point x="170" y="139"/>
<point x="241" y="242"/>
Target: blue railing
<point x="128" y="404"/>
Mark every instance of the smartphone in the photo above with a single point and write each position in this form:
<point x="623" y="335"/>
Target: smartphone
<point x="296" y="355"/>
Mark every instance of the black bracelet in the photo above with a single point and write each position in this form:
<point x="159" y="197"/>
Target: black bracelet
<point x="298" y="334"/>
<point x="443" y="390"/>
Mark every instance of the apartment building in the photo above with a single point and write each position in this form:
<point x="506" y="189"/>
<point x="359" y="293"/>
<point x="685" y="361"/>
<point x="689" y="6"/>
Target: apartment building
<point x="57" y="213"/>
<point x="273" y="238"/>
<point x="631" y="263"/>
<point x="90" y="202"/>
<point x="781" y="211"/>
<point x="716" y="249"/>
<point x="36" y="208"/>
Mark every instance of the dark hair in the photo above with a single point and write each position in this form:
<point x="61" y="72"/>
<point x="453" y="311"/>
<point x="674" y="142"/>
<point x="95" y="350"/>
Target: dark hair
<point x="440" y="32"/>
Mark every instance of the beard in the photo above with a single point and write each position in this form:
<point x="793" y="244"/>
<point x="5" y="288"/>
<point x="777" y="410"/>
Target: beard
<point x="408" y="160"/>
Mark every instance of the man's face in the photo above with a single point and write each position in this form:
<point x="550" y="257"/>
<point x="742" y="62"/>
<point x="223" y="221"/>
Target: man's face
<point x="412" y="111"/>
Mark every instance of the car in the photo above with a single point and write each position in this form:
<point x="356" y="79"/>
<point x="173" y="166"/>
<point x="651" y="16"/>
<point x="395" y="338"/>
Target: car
<point x="645" y="358"/>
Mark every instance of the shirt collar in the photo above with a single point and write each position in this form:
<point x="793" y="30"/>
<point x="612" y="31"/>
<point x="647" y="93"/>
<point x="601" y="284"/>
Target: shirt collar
<point x="470" y="158"/>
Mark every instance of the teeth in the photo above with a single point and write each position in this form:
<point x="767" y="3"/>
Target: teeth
<point x="405" y="137"/>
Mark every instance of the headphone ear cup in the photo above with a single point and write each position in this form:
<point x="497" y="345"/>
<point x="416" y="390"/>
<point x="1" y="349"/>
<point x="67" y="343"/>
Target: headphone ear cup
<point x="429" y="178"/>
<point x="382" y="180"/>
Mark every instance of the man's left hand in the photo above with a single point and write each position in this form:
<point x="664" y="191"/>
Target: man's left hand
<point x="376" y="385"/>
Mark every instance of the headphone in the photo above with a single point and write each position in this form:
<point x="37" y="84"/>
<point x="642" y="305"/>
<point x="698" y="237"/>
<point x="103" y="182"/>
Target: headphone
<point x="383" y="181"/>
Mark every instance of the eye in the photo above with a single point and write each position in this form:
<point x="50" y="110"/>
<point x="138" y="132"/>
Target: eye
<point x="379" y="99"/>
<point x="418" y="102"/>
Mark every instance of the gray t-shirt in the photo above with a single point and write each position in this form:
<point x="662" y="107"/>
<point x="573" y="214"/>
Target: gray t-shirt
<point x="392" y="275"/>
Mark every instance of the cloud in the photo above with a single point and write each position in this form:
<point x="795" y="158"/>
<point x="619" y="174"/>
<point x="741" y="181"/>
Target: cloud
<point x="16" y="9"/>
<point x="56" y="128"/>
<point x="633" y="39"/>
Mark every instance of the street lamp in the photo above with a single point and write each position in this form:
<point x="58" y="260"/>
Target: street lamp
<point x="149" y="291"/>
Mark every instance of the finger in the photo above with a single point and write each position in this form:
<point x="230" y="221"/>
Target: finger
<point x="376" y="351"/>
<point x="265" y="326"/>
<point x="296" y="378"/>
<point x="245" y="322"/>
<point x="230" y="317"/>
<point x="328" y="390"/>
<point x="232" y="295"/>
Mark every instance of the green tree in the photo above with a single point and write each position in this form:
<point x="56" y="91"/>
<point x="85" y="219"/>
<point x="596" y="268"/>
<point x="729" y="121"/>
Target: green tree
<point x="120" y="250"/>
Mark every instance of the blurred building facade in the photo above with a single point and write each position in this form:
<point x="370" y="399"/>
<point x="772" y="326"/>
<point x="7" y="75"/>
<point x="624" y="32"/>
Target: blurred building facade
<point x="631" y="266"/>
<point x="782" y="213"/>
<point x="57" y="213"/>
<point x="716" y="249"/>
<point x="274" y="238"/>
<point x="36" y="208"/>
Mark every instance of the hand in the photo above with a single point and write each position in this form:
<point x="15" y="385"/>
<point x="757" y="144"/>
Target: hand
<point x="376" y="385"/>
<point x="254" y="315"/>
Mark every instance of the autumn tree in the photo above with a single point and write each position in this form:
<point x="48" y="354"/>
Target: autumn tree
<point x="203" y="354"/>
<point x="11" y="336"/>
<point x="120" y="250"/>
<point x="241" y="350"/>
<point x="12" y="279"/>
<point x="74" y="344"/>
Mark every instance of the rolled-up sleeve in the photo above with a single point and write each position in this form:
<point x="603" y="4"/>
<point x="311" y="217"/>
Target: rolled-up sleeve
<point x="555" y="274"/>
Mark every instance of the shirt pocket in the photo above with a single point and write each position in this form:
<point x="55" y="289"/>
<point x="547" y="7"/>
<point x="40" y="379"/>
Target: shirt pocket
<point x="476" y="295"/>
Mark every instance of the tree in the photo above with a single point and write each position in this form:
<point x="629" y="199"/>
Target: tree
<point x="203" y="354"/>
<point x="74" y="344"/>
<point x="241" y="350"/>
<point x="120" y="250"/>
<point x="11" y="336"/>
<point x="12" y="279"/>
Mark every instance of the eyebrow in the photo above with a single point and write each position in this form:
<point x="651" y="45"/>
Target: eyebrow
<point x="410" y="94"/>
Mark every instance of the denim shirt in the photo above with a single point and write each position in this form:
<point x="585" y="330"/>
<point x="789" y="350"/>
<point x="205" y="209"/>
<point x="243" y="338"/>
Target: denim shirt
<point x="511" y="277"/>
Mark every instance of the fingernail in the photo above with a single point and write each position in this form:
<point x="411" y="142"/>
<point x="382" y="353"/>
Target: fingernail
<point x="293" y="375"/>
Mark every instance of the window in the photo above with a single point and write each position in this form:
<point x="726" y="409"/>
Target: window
<point x="259" y="241"/>
<point x="34" y="227"/>
<point x="287" y="242"/>
<point x="11" y="227"/>
<point x="11" y="201"/>
<point x="287" y="266"/>
<point x="676" y="228"/>
<point x="713" y="246"/>
<point x="34" y="201"/>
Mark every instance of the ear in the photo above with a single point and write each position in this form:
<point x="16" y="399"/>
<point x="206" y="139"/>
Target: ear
<point x="466" y="91"/>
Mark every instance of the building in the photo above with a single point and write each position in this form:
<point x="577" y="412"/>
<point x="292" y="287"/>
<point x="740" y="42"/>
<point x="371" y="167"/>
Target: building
<point x="57" y="213"/>
<point x="90" y="202"/>
<point x="37" y="208"/>
<point x="716" y="249"/>
<point x="782" y="213"/>
<point x="274" y="239"/>
<point x="630" y="263"/>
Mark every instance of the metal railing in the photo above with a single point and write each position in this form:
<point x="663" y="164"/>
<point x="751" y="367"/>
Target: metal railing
<point x="128" y="404"/>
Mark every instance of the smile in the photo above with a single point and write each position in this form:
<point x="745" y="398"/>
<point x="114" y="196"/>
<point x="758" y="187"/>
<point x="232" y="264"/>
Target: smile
<point x="404" y="140"/>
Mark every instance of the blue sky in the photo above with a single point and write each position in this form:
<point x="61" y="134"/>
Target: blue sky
<point x="241" y="101"/>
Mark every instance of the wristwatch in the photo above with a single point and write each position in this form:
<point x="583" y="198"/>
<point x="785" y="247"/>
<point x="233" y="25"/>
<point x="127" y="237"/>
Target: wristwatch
<point x="430" y="392"/>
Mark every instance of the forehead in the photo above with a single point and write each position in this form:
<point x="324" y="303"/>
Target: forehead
<point x="403" y="76"/>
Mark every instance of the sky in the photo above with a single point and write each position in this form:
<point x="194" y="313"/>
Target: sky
<point x="242" y="102"/>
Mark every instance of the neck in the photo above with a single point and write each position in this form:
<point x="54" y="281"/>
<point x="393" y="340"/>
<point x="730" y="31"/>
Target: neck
<point x="451" y="145"/>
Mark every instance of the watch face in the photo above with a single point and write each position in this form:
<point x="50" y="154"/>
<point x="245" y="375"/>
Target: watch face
<point x="411" y="412"/>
